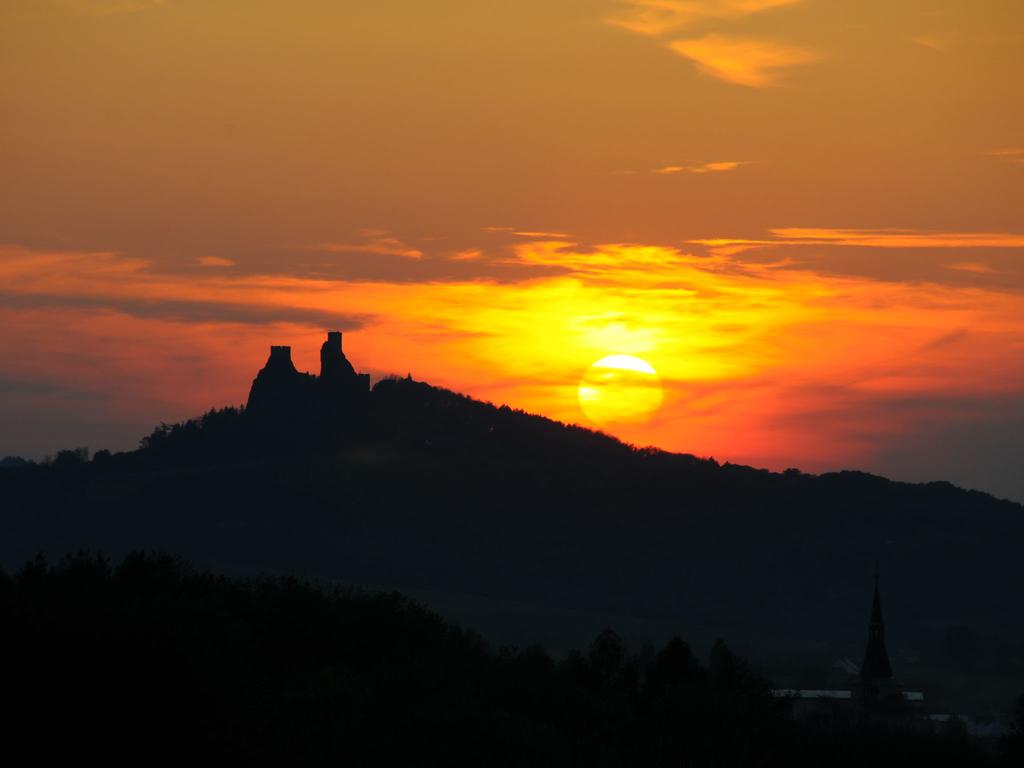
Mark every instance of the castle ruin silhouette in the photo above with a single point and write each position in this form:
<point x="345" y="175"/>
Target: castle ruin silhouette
<point x="279" y="391"/>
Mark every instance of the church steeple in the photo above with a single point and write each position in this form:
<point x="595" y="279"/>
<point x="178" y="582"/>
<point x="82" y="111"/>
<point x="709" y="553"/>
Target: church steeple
<point x="876" y="666"/>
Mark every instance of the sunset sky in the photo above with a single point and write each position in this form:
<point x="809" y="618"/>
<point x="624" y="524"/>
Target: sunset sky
<point x="806" y="215"/>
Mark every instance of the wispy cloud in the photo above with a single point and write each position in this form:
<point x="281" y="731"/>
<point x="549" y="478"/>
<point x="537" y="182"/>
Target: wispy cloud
<point x="742" y="61"/>
<point x="976" y="267"/>
<point x="469" y="254"/>
<point x="933" y="42"/>
<point x="214" y="261"/>
<point x="658" y="17"/>
<point x="718" y="167"/>
<point x="378" y="242"/>
<point x="531" y="233"/>
<point x="868" y="238"/>
<point x="541" y="234"/>
<point x="749" y="61"/>
<point x="112" y="282"/>
<point x="183" y="310"/>
<point x="902" y="238"/>
<point x="1008" y="154"/>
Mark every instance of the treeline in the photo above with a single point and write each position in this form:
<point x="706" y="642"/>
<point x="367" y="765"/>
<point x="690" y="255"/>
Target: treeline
<point x="154" y="661"/>
<point x="407" y="413"/>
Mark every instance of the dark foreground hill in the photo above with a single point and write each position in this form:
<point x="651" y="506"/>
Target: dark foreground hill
<point x="156" y="663"/>
<point x="431" y="492"/>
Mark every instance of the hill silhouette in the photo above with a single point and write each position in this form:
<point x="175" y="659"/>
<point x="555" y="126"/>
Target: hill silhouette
<point x="431" y="492"/>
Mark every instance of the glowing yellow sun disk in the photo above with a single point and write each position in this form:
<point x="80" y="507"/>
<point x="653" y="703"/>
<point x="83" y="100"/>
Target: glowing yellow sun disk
<point x="620" y="389"/>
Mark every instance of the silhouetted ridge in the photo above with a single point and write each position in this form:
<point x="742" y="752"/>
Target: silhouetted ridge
<point x="419" y="415"/>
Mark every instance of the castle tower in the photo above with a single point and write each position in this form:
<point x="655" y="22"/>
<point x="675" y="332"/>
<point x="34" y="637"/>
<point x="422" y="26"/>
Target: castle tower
<point x="280" y="360"/>
<point x="334" y="366"/>
<point x="278" y="388"/>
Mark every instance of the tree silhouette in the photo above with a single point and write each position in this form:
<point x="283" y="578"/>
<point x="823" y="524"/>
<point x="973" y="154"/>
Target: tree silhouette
<point x="155" y="661"/>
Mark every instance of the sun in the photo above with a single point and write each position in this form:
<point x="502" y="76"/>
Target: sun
<point x="620" y="389"/>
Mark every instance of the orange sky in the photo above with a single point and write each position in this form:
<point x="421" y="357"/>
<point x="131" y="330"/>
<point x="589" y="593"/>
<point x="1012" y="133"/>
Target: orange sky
<point x="805" y="214"/>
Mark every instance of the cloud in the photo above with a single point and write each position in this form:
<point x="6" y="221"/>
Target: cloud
<point x="655" y="18"/>
<point x="977" y="267"/>
<point x="932" y="42"/>
<point x="867" y="238"/>
<point x="742" y="61"/>
<point x="469" y="254"/>
<point x="214" y="261"/>
<point x="1009" y="154"/>
<point x="187" y="311"/>
<point x="532" y="233"/>
<point x="719" y="167"/>
<point x="77" y="281"/>
<point x="752" y="62"/>
<point x="902" y="238"/>
<point x="542" y="234"/>
<point x="378" y="242"/>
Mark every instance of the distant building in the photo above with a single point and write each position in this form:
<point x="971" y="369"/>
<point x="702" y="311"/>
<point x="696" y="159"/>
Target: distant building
<point x="873" y="684"/>
<point x="877" y="684"/>
<point x="280" y="392"/>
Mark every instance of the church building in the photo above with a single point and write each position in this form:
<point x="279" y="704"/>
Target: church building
<point x="874" y="686"/>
